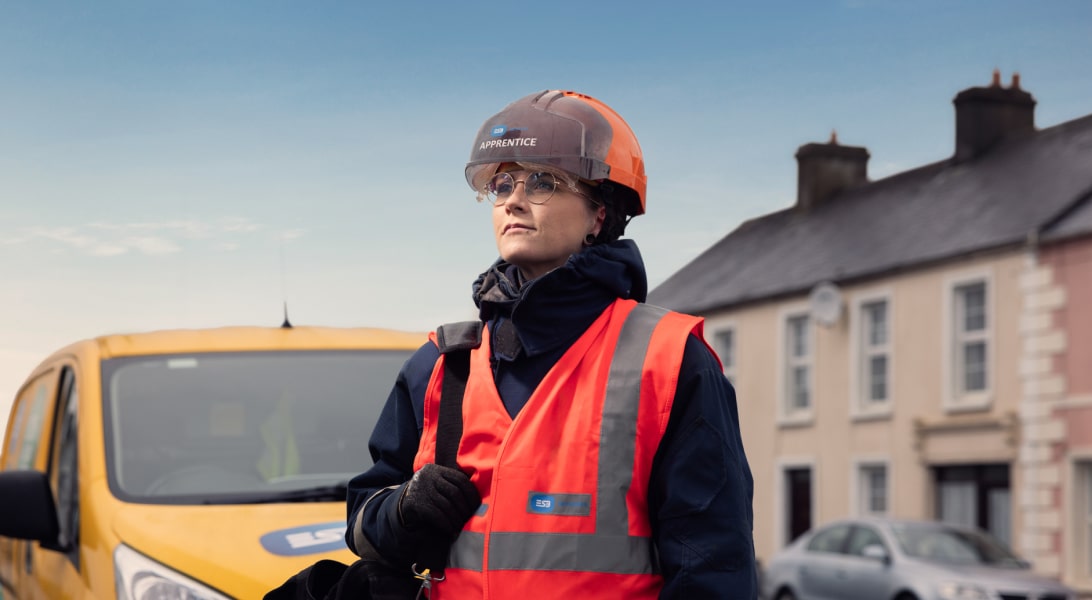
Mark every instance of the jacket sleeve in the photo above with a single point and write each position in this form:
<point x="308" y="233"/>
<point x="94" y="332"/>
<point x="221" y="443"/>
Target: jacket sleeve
<point x="372" y="498"/>
<point x="700" y="494"/>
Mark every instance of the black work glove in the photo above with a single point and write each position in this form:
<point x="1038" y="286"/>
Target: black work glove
<point x="433" y="508"/>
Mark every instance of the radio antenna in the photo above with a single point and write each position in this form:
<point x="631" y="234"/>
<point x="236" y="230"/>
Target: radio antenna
<point x="284" y="291"/>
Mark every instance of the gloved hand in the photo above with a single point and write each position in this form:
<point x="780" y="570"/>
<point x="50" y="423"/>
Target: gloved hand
<point x="438" y="501"/>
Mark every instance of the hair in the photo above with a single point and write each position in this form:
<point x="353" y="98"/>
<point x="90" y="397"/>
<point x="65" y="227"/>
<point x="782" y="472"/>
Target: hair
<point x="603" y="194"/>
<point x="614" y="224"/>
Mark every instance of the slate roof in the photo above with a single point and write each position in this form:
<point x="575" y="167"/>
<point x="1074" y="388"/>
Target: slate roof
<point x="1073" y="223"/>
<point x="909" y="220"/>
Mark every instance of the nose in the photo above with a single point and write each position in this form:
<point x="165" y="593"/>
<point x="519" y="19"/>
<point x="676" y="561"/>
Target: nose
<point x="518" y="197"/>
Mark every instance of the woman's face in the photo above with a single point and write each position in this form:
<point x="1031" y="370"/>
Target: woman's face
<point x="538" y="238"/>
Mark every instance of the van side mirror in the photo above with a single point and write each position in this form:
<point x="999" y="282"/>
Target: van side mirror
<point x="876" y="552"/>
<point x="27" y="510"/>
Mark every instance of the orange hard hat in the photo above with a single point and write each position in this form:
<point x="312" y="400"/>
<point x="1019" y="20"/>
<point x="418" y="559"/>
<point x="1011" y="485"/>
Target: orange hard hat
<point x="567" y="130"/>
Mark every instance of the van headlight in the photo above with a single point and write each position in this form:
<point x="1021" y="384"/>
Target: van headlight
<point x="141" y="578"/>
<point x="962" y="591"/>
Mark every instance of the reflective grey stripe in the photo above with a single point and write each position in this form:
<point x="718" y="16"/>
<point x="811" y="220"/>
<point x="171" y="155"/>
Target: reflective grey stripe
<point x="610" y="549"/>
<point x="569" y="552"/>
<point x="467" y="552"/>
<point x="360" y="541"/>
<point x="618" y="435"/>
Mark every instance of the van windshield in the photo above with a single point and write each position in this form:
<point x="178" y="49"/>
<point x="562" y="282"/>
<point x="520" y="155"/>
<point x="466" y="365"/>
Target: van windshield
<point x="242" y="427"/>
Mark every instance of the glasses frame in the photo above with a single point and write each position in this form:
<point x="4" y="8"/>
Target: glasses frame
<point x="532" y="197"/>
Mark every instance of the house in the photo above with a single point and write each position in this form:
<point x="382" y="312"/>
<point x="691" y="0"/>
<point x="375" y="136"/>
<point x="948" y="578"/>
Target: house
<point x="918" y="346"/>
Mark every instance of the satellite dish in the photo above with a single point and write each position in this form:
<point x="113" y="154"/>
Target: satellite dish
<point x="825" y="301"/>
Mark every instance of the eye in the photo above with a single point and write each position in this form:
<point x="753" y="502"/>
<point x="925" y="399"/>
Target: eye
<point x="501" y="185"/>
<point x="541" y="183"/>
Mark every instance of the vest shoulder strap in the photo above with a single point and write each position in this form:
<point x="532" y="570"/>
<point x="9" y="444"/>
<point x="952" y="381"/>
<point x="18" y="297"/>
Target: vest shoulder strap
<point x="455" y="341"/>
<point x="464" y="335"/>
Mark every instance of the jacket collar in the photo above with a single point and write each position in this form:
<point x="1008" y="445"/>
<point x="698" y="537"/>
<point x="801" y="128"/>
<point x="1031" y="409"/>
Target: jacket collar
<point x="551" y="311"/>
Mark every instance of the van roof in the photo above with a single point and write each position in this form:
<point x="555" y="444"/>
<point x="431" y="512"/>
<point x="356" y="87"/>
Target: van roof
<point x="241" y="338"/>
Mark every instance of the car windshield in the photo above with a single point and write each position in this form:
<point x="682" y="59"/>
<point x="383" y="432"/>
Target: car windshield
<point x="940" y="543"/>
<point x="220" y="428"/>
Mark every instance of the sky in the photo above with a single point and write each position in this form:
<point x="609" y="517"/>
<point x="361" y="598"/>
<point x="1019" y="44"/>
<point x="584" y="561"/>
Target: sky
<point x="204" y="163"/>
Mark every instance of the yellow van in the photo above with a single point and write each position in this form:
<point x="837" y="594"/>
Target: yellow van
<point x="197" y="464"/>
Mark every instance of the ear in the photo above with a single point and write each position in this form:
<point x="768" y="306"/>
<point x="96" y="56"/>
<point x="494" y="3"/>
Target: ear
<point x="600" y="217"/>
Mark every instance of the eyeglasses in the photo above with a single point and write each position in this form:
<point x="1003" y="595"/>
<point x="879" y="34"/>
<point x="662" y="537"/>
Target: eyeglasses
<point x="538" y="187"/>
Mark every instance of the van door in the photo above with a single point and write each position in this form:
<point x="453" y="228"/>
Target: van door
<point x="31" y="418"/>
<point x="53" y="570"/>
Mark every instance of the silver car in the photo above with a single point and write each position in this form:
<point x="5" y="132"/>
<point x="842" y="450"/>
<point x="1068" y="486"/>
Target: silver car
<point x="898" y="559"/>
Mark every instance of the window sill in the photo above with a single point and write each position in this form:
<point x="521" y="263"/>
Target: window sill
<point x="977" y="402"/>
<point x="804" y="419"/>
<point x="876" y="414"/>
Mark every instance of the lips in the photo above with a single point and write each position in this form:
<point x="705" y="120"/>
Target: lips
<point x="516" y="226"/>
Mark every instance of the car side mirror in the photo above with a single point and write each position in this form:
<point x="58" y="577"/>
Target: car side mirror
<point x="876" y="552"/>
<point x="27" y="510"/>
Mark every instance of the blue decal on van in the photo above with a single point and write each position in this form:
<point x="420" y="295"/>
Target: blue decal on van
<point x="308" y="539"/>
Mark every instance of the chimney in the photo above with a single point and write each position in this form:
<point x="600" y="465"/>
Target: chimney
<point x="987" y="115"/>
<point x="826" y="169"/>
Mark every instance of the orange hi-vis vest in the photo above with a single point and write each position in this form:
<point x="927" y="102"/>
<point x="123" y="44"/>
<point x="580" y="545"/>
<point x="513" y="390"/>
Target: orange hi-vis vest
<point x="564" y="484"/>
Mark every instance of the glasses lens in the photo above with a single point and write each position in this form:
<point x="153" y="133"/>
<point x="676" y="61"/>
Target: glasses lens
<point x="499" y="187"/>
<point x="539" y="187"/>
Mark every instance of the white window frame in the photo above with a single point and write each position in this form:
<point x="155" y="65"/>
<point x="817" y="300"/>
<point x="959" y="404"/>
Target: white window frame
<point x="787" y="415"/>
<point x="733" y="355"/>
<point x="955" y="397"/>
<point x="861" y="490"/>
<point x="861" y="351"/>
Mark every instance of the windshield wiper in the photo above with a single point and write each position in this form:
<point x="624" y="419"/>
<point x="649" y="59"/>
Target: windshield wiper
<point x="318" y="493"/>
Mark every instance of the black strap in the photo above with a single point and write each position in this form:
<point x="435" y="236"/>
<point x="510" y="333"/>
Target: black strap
<point x="455" y="341"/>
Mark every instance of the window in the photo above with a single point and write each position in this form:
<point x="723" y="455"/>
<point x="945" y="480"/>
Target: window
<point x="64" y="467"/>
<point x="26" y="436"/>
<point x="971" y="343"/>
<point x="875" y="362"/>
<point x="204" y="428"/>
<point x="863" y="537"/>
<point x="724" y="341"/>
<point x="797" y="365"/>
<point x="975" y="495"/>
<point x="1082" y="519"/>
<point x="831" y="540"/>
<point x="872" y="489"/>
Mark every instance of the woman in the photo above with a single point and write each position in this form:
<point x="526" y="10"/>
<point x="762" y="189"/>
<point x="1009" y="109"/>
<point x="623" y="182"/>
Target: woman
<point x="600" y="453"/>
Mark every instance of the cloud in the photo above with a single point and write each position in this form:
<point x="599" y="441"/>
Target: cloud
<point x="290" y="234"/>
<point x="107" y="239"/>
<point x="152" y="245"/>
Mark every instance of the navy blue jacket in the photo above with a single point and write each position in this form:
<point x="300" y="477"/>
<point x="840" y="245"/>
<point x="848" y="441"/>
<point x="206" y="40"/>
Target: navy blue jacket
<point x="701" y="489"/>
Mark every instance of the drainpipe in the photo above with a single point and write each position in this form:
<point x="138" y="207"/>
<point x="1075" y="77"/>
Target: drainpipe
<point x="1029" y="464"/>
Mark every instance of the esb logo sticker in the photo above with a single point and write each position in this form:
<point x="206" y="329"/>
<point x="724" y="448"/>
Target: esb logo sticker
<point x="309" y="539"/>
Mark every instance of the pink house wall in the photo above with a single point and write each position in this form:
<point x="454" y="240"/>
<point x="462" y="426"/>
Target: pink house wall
<point x="1071" y="263"/>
